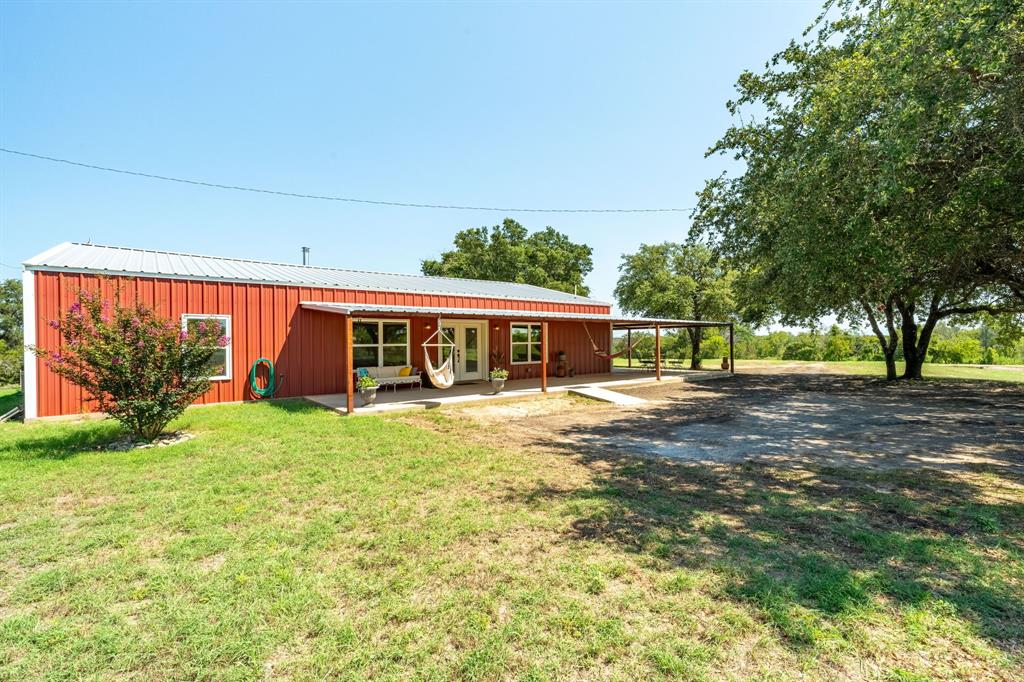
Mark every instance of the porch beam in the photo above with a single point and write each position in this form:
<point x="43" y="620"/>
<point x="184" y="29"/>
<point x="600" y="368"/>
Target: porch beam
<point x="657" y="352"/>
<point x="544" y="357"/>
<point x="732" y="358"/>
<point x="350" y="403"/>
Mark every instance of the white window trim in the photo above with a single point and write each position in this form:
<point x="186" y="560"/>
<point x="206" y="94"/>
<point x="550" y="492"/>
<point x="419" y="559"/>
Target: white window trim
<point x="512" y="343"/>
<point x="380" y="345"/>
<point x="226" y="323"/>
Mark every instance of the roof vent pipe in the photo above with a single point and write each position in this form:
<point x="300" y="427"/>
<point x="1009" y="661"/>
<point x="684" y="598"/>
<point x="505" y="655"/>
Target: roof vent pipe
<point x="305" y="255"/>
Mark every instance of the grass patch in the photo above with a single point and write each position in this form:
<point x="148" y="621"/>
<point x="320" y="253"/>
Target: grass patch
<point x="285" y="541"/>
<point x="10" y="397"/>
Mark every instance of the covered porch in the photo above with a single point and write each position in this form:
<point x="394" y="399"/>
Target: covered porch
<point x="431" y="398"/>
<point x="543" y="350"/>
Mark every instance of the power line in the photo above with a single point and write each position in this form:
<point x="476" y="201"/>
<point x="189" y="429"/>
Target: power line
<point x="352" y="200"/>
<point x="12" y="267"/>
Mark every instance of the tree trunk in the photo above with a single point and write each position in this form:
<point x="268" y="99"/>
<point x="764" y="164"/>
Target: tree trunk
<point x="916" y="339"/>
<point x="912" y="369"/>
<point x="888" y="343"/>
<point x="695" y="335"/>
<point x="924" y="338"/>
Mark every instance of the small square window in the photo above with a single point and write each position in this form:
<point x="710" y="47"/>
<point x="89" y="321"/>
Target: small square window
<point x="220" y="362"/>
<point x="526" y="343"/>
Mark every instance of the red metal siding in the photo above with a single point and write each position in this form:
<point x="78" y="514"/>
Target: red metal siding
<point x="567" y="336"/>
<point x="267" y="321"/>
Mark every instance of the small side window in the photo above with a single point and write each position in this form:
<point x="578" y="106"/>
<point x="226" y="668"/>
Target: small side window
<point x="220" y="361"/>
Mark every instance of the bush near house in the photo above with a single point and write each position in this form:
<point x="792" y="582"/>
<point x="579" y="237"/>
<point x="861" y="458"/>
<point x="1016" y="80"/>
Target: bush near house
<point x="140" y="368"/>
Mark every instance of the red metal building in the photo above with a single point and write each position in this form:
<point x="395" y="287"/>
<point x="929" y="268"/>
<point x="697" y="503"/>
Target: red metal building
<point x="310" y="320"/>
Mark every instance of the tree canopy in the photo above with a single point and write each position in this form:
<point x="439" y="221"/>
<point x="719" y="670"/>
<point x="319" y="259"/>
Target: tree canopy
<point x="11" y="350"/>
<point x="683" y="281"/>
<point x="509" y="253"/>
<point x="882" y="171"/>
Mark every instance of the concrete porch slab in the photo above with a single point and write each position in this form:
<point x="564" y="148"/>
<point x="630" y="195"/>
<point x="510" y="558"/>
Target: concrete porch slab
<point x="429" y="398"/>
<point x="604" y="395"/>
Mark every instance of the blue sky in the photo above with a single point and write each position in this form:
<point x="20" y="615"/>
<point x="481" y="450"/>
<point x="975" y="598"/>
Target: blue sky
<point x="537" y="105"/>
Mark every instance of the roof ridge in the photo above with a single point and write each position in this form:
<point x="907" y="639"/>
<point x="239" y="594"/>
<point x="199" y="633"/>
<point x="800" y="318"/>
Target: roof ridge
<point x="316" y="267"/>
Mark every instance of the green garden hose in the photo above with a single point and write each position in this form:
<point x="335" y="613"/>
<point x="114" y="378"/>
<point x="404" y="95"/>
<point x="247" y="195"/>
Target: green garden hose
<point x="271" y="387"/>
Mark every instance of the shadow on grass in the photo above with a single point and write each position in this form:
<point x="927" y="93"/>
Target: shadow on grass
<point x="811" y="547"/>
<point x="61" y="442"/>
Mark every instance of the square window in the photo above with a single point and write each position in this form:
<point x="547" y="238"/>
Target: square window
<point x="365" y="333"/>
<point x="365" y="356"/>
<point x="520" y="353"/>
<point x="219" y="363"/>
<point x="380" y="343"/>
<point x="526" y="343"/>
<point x="395" y="356"/>
<point x="396" y="333"/>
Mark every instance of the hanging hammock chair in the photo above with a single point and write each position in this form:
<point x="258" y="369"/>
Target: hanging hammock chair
<point x="605" y="354"/>
<point x="444" y="376"/>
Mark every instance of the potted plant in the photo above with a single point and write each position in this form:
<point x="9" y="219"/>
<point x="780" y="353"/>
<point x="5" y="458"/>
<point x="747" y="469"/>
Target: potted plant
<point x="498" y="377"/>
<point x="725" y="362"/>
<point x="367" y="390"/>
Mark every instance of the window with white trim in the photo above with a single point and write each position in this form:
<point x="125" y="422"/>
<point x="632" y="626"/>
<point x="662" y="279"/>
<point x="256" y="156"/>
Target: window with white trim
<point x="380" y="343"/>
<point x="220" y="361"/>
<point x="525" y="343"/>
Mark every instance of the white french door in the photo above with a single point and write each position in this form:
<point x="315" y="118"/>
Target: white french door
<point x="470" y="343"/>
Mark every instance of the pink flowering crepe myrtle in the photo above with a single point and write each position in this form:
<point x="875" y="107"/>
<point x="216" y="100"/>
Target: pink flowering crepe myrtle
<point x="135" y="365"/>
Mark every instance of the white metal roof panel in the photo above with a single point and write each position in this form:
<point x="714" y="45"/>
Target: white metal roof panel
<point x="118" y="260"/>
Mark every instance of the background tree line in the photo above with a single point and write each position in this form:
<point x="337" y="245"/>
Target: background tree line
<point x="11" y="348"/>
<point x="950" y="345"/>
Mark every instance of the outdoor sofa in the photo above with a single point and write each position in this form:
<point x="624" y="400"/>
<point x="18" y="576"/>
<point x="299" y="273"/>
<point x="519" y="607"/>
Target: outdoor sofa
<point x="394" y="376"/>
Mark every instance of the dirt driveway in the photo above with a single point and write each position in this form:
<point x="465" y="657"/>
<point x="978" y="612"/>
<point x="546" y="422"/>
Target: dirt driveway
<point x="797" y="418"/>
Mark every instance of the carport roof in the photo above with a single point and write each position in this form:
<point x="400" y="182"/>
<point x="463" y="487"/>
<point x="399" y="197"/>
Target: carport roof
<point x="617" y="322"/>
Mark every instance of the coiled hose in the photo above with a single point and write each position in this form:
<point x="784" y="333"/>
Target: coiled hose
<point x="271" y="387"/>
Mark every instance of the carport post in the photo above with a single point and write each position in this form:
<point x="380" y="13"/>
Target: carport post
<point x="544" y="357"/>
<point x="732" y="359"/>
<point x="657" y="352"/>
<point x="629" y="346"/>
<point x="349" y="398"/>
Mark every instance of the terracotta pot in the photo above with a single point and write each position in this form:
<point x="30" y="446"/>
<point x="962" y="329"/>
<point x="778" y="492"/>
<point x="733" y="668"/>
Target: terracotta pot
<point x="725" y="363"/>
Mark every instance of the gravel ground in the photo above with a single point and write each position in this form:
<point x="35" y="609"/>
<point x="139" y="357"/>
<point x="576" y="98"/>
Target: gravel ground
<point x="800" y="417"/>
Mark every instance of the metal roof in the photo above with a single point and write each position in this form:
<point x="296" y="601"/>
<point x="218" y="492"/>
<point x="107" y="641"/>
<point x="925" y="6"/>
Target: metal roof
<point x="618" y="321"/>
<point x="119" y="260"/>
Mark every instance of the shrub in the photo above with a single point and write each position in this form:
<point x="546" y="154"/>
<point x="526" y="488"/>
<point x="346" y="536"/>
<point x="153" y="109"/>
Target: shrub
<point x="367" y="382"/>
<point x="10" y="364"/>
<point x="958" y="350"/>
<point x="800" y="351"/>
<point x="141" y="369"/>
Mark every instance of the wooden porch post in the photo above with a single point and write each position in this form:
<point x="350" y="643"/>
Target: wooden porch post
<point x="657" y="352"/>
<point x="732" y="359"/>
<point x="629" y="346"/>
<point x="544" y="357"/>
<point x="349" y="388"/>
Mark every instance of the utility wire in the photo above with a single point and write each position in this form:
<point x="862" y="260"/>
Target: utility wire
<point x="321" y="197"/>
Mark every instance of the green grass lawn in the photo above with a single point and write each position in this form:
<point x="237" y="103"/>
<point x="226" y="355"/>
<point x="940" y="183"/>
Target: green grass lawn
<point x="285" y="541"/>
<point x="10" y="396"/>
<point x="931" y="371"/>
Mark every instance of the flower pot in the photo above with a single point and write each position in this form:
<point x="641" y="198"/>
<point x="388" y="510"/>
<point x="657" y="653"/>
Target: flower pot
<point x="368" y="396"/>
<point x="725" y="363"/>
<point x="498" y="385"/>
